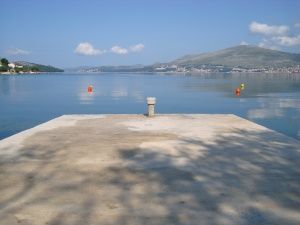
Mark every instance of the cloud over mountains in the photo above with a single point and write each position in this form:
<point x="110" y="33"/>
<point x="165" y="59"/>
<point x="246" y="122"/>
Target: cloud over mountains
<point x="137" y="48"/>
<point x="86" y="48"/>
<point x="287" y="41"/>
<point x="119" y="50"/>
<point x="266" y="29"/>
<point x="274" y="36"/>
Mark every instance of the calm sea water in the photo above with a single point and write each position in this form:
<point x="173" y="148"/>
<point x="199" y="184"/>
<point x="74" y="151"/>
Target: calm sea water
<point x="270" y="100"/>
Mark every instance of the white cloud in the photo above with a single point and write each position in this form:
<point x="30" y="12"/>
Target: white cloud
<point x="119" y="50"/>
<point x="287" y="40"/>
<point x="264" y="45"/>
<point x="17" y="51"/>
<point x="266" y="29"/>
<point x="244" y="43"/>
<point x="85" y="48"/>
<point x="275" y="35"/>
<point x="137" y="48"/>
<point x="267" y="44"/>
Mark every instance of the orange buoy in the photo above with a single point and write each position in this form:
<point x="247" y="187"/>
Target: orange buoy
<point x="237" y="91"/>
<point x="90" y="89"/>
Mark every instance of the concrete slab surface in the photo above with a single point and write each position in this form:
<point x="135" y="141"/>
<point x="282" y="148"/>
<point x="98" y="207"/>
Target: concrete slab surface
<point x="130" y="169"/>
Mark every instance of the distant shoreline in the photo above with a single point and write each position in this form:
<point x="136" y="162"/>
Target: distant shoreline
<point x="27" y="73"/>
<point x="159" y="73"/>
<point x="182" y="73"/>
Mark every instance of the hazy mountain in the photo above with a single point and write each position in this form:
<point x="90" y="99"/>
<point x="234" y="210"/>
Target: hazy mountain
<point x="245" y="56"/>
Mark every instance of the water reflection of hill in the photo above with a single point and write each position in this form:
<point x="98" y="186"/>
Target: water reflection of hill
<point x="272" y="100"/>
<point x="256" y="84"/>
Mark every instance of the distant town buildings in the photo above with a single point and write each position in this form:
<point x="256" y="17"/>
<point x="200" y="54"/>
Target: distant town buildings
<point x="173" y="68"/>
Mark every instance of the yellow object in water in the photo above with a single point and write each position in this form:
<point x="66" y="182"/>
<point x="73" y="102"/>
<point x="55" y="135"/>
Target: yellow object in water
<point x="242" y="86"/>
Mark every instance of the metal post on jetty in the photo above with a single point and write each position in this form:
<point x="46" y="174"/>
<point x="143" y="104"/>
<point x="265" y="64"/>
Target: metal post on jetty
<point x="151" y="103"/>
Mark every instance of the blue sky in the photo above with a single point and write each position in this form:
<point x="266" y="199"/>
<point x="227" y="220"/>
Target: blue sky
<point x="68" y="33"/>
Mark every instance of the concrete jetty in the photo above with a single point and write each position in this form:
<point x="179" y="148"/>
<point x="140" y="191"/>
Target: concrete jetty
<point x="133" y="169"/>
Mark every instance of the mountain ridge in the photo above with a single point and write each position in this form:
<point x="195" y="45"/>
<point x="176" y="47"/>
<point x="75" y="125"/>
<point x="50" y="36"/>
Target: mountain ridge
<point x="242" y="56"/>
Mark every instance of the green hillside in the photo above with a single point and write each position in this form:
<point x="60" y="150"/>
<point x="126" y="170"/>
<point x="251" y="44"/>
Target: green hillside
<point x="38" y="67"/>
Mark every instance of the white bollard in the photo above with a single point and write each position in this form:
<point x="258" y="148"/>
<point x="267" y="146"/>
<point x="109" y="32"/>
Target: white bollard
<point x="151" y="103"/>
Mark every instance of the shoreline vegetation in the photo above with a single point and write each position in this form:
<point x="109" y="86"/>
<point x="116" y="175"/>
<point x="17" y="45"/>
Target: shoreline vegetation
<point x="156" y="72"/>
<point x="21" y="67"/>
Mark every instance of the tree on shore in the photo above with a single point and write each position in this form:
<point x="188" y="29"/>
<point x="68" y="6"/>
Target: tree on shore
<point x="4" y="62"/>
<point x="4" y="65"/>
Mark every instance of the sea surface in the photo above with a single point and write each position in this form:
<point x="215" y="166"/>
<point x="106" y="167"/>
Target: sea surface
<point x="272" y="100"/>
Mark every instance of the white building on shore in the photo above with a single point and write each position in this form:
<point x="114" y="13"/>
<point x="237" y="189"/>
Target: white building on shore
<point x="11" y="65"/>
